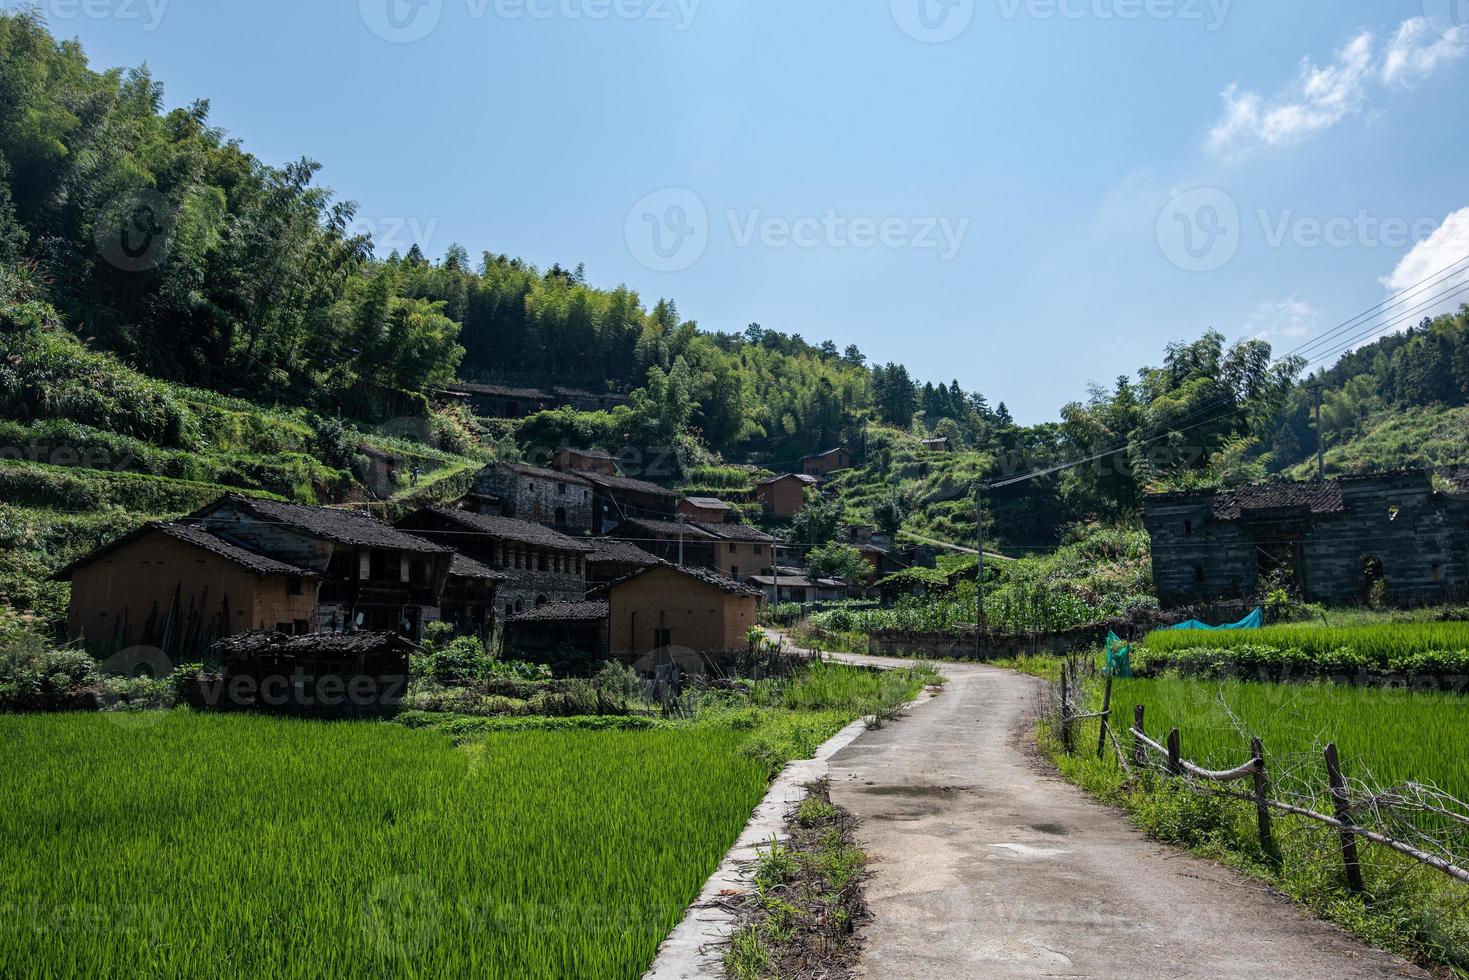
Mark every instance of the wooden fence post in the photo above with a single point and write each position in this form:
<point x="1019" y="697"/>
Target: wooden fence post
<point x="1139" y="750"/>
<point x="1262" y="797"/>
<point x="1341" y="799"/>
<point x="1175" y="763"/>
<point x="1065" y="713"/>
<point x="1106" y="717"/>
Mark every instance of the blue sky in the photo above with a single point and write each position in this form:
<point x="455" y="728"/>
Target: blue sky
<point x="1024" y="195"/>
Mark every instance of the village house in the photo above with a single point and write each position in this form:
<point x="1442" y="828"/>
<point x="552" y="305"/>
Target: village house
<point x="320" y="674"/>
<point x="678" y="542"/>
<point x="936" y="445"/>
<point x="511" y="402"/>
<point x="532" y="493"/>
<point x="539" y="565"/>
<point x="823" y="464"/>
<point x="1403" y="534"/>
<point x="619" y="498"/>
<point x="611" y="559"/>
<point x="585" y="461"/>
<point x="468" y="601"/>
<point x="710" y="509"/>
<point x="179" y="588"/>
<point x="785" y="496"/>
<point x="740" y="550"/>
<point x="373" y="576"/>
<point x="697" y="611"/>
<point x="794" y="585"/>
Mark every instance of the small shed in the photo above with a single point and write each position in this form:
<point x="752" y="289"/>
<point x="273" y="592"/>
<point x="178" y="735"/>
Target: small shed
<point x="318" y="674"/>
<point x="571" y="637"/>
<point x="710" y="509"/>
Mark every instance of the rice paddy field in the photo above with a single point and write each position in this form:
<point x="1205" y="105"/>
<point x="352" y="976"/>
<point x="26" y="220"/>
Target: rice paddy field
<point x="1375" y="643"/>
<point x="1384" y="735"/>
<point x="194" y="845"/>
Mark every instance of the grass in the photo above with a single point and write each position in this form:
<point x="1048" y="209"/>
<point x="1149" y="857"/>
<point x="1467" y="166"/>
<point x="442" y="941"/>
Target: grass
<point x="1408" y="647"/>
<point x="261" y="847"/>
<point x="1385" y="737"/>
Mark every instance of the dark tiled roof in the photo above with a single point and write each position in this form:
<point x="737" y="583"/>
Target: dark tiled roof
<point x="311" y="644"/>
<point x="610" y="551"/>
<point x="671" y="529"/>
<point x="462" y="566"/>
<point x="803" y="477"/>
<point x="1457" y="477"/>
<point x="540" y="472"/>
<point x="829" y="452"/>
<point x="583" y="393"/>
<point x="590" y="453"/>
<point x="507" y="529"/>
<point x="562" y="612"/>
<point x="625" y="484"/>
<point x="704" y="575"/>
<point x="341" y="526"/>
<point x="199" y="538"/>
<point x="1317" y="497"/>
<point x="707" y="503"/>
<point x="735" y="532"/>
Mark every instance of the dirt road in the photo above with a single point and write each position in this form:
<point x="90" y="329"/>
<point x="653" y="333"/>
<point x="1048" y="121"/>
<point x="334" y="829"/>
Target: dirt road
<point x="987" y="866"/>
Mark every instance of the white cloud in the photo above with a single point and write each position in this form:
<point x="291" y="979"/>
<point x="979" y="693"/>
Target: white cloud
<point x="1419" y="277"/>
<point x="1288" y="319"/>
<point x="1419" y="49"/>
<point x="1322" y="96"/>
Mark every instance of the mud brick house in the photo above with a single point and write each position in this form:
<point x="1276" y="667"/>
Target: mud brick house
<point x="373" y="576"/>
<point x="822" y="464"/>
<point x="539" y="565"/>
<point x="710" y="509"/>
<point x="532" y="493"/>
<point x="181" y="589"/>
<point x="664" y="607"/>
<point x="785" y="496"/>
<point x="740" y="550"/>
<point x="569" y="636"/>
<point x="1337" y="540"/>
<point x="611" y="559"/>
<point x="662" y="540"/>
<point x="321" y="674"/>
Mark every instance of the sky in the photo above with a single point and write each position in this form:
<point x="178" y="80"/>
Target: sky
<point x="1025" y="196"/>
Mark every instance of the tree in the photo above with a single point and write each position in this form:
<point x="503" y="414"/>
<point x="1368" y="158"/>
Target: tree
<point x="818" y="521"/>
<point x="836" y="560"/>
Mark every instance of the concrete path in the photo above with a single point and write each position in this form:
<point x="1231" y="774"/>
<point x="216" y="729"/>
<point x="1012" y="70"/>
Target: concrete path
<point x="986" y="865"/>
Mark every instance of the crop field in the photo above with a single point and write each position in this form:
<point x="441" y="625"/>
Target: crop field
<point x="1408" y="647"/>
<point x="195" y="845"/>
<point x="1385" y="736"/>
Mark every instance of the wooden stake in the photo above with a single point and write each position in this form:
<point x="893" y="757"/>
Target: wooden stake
<point x="1139" y="750"/>
<point x="1341" y="799"/>
<point x="1262" y="797"/>
<point x="1175" y="761"/>
<point x="1065" y="713"/>
<point x="1106" y="717"/>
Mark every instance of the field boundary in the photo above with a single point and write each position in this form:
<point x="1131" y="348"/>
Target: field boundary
<point x="692" y="948"/>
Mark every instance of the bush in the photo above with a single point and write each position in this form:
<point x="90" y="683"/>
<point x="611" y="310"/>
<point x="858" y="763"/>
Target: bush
<point x="617" y="680"/>
<point x="36" y="676"/>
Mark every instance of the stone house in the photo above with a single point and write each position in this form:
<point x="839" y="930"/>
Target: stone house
<point x="693" y="610"/>
<point x="541" y="496"/>
<point x="785" y="496"/>
<point x="822" y="464"/>
<point x="539" y="565"/>
<point x="619" y="498"/>
<point x="1406" y="534"/>
<point x="179" y="588"/>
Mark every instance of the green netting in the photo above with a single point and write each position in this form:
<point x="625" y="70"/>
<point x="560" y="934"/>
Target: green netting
<point x="1119" y="657"/>
<point x="1253" y="621"/>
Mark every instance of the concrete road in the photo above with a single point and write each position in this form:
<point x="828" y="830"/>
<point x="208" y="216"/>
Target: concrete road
<point x="986" y="865"/>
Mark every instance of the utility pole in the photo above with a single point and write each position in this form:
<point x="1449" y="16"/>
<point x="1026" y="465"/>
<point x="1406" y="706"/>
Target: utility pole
<point x="979" y="569"/>
<point x="680" y="540"/>
<point x="1320" y="435"/>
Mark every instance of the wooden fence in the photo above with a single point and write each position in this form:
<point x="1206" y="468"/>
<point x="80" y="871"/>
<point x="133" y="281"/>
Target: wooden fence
<point x="1170" y="754"/>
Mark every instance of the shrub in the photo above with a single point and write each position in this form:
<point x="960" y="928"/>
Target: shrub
<point x="37" y="676"/>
